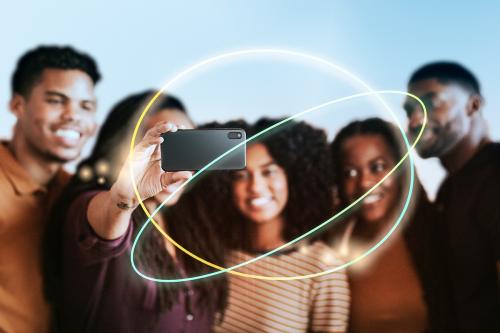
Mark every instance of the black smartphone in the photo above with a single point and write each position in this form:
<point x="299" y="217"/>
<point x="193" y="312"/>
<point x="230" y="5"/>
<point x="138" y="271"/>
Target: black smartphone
<point x="193" y="149"/>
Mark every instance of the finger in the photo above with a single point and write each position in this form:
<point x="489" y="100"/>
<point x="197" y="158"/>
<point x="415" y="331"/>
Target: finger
<point x="153" y="135"/>
<point x="156" y="156"/>
<point x="168" y="178"/>
<point x="160" y="128"/>
<point x="148" y="143"/>
<point x="181" y="175"/>
<point x="174" y="186"/>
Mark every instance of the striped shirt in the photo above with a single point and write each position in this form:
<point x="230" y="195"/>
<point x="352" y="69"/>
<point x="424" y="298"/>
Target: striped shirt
<point x="319" y="304"/>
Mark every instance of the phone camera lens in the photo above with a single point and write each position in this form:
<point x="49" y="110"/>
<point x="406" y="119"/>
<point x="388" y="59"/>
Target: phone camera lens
<point x="234" y="135"/>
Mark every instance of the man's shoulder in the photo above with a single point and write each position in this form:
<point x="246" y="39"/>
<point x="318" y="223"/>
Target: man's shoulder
<point x="6" y="165"/>
<point x="491" y="163"/>
<point x="484" y="165"/>
<point x="495" y="152"/>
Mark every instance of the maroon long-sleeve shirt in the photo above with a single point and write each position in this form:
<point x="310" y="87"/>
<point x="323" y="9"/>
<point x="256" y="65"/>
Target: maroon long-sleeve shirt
<point x="101" y="291"/>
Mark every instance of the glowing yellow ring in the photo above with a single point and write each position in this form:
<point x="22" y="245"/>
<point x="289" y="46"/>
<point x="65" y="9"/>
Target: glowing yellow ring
<point x="231" y="269"/>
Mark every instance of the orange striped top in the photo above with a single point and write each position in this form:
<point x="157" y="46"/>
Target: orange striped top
<point x="319" y="304"/>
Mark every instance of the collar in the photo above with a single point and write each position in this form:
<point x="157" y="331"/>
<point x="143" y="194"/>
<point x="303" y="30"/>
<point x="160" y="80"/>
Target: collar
<point x="21" y="181"/>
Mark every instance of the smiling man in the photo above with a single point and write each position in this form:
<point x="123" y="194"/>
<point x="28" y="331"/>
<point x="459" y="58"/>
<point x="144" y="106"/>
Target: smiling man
<point x="54" y="103"/>
<point x="468" y="199"/>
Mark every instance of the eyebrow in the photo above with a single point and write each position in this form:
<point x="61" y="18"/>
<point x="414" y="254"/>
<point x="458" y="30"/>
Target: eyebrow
<point x="55" y="93"/>
<point x="64" y="96"/>
<point x="268" y="164"/>
<point x="411" y="102"/>
<point x="265" y="165"/>
<point x="378" y="158"/>
<point x="375" y="159"/>
<point x="430" y="95"/>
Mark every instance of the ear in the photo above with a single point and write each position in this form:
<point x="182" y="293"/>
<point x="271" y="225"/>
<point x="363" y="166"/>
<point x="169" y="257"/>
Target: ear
<point x="474" y="104"/>
<point x="17" y="105"/>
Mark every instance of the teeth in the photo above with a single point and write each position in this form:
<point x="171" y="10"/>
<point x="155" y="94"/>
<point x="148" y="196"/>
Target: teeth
<point x="68" y="134"/>
<point x="260" y="201"/>
<point x="372" y="198"/>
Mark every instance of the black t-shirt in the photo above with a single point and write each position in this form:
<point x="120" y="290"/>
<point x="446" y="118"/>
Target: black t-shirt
<point x="469" y="202"/>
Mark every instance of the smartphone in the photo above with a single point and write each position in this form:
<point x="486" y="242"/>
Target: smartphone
<point x="193" y="149"/>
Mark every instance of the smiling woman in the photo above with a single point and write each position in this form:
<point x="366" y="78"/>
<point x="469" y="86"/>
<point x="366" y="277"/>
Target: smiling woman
<point x="283" y="192"/>
<point x="393" y="290"/>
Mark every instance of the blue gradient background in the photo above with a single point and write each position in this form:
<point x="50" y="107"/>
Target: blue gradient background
<point x="140" y="45"/>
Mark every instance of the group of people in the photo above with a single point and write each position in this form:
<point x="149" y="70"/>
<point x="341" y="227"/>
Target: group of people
<point x="66" y="240"/>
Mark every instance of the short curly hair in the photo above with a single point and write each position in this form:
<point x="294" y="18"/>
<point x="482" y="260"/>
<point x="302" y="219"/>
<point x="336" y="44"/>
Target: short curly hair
<point x="448" y="72"/>
<point x="31" y="65"/>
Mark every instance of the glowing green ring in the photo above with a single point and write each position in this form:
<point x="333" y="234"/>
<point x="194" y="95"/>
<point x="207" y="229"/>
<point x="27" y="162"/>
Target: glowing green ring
<point x="283" y="278"/>
<point x="222" y="269"/>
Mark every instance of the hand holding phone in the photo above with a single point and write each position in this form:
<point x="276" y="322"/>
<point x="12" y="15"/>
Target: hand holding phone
<point x="146" y="169"/>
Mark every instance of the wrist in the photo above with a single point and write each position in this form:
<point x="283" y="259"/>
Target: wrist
<point x="122" y="199"/>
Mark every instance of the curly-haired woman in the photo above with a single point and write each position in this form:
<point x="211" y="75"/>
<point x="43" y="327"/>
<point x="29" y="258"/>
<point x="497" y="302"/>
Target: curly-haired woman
<point x="282" y="193"/>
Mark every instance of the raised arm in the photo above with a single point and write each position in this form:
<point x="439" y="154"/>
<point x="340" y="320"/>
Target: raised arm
<point x="109" y="213"/>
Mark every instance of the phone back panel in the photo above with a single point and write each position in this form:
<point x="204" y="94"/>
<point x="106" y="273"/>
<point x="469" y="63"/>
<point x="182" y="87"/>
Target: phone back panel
<point x="193" y="149"/>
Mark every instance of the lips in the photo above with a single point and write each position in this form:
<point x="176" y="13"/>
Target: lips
<point x="68" y="136"/>
<point x="259" y="202"/>
<point x="372" y="198"/>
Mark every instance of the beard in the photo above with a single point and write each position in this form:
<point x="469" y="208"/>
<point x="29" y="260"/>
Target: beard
<point x="440" y="141"/>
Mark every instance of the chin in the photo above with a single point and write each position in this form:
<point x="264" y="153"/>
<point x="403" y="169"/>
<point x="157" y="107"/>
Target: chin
<point x="373" y="217"/>
<point x="259" y="219"/>
<point x="64" y="155"/>
<point x="426" y="152"/>
<point x="63" y="158"/>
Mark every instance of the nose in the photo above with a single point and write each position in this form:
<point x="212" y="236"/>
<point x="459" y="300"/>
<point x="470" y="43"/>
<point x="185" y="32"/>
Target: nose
<point x="367" y="180"/>
<point x="257" y="183"/>
<point x="416" y="119"/>
<point x="71" y="111"/>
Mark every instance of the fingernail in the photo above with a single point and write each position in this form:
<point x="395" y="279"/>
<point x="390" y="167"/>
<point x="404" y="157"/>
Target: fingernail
<point x="172" y="187"/>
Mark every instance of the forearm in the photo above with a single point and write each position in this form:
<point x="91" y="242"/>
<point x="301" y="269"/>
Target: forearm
<point x="109" y="213"/>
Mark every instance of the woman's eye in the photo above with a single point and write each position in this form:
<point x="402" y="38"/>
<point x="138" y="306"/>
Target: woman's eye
<point x="268" y="172"/>
<point x="271" y="171"/>
<point x="350" y="173"/>
<point x="378" y="167"/>
<point x="240" y="175"/>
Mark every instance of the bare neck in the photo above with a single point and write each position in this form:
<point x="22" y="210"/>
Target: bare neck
<point x="369" y="233"/>
<point x="39" y="168"/>
<point x="268" y="235"/>
<point x="465" y="149"/>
